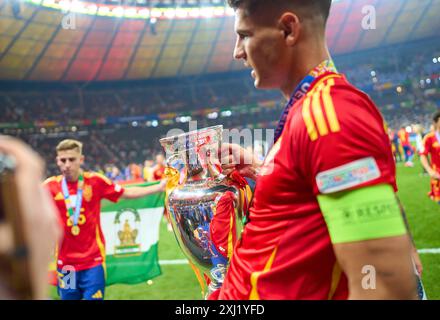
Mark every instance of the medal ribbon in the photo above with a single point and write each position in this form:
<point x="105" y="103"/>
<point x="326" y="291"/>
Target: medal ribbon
<point x="301" y="90"/>
<point x="79" y="197"/>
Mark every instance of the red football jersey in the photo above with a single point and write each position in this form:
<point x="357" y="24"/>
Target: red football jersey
<point x="87" y="249"/>
<point x="404" y="137"/>
<point x="158" y="173"/>
<point x="431" y="146"/>
<point x="285" y="251"/>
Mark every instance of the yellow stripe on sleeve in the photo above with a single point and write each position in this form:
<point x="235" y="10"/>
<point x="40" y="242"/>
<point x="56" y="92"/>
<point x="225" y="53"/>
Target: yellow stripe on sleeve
<point x="311" y="130"/>
<point x="317" y="112"/>
<point x="330" y="108"/>
<point x="101" y="176"/>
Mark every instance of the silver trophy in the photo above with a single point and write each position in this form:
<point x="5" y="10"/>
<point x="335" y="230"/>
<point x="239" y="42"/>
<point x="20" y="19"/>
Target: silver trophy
<point x="206" y="208"/>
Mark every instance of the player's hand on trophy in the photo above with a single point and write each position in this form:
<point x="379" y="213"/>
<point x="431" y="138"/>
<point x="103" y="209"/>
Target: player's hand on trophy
<point x="234" y="157"/>
<point x="40" y="222"/>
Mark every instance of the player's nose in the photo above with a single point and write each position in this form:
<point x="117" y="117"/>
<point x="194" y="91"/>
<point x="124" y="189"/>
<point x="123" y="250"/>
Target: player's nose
<point x="239" y="52"/>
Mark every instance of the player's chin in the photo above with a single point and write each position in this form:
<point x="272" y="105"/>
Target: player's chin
<point x="262" y="84"/>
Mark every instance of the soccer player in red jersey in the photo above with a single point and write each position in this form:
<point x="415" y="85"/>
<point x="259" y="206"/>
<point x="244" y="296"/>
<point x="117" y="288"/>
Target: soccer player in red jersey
<point x="77" y="195"/>
<point x="431" y="147"/>
<point x="159" y="168"/>
<point x="325" y="217"/>
<point x="408" y="149"/>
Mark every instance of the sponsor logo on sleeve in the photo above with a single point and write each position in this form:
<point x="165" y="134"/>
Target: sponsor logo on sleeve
<point x="348" y="176"/>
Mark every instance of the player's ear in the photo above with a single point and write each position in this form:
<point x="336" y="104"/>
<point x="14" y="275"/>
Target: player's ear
<point x="290" y="24"/>
<point x="81" y="159"/>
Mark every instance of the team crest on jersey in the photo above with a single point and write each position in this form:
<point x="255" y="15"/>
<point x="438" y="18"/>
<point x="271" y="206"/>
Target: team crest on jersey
<point x="436" y="145"/>
<point x="347" y="176"/>
<point x="88" y="192"/>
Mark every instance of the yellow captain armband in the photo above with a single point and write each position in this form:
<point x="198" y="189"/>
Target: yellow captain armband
<point x="363" y="214"/>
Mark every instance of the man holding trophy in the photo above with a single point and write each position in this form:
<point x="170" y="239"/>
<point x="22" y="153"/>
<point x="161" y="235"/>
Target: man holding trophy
<point x="325" y="222"/>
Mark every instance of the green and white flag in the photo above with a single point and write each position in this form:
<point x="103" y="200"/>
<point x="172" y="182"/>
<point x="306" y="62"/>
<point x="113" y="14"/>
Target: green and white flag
<point x="131" y="231"/>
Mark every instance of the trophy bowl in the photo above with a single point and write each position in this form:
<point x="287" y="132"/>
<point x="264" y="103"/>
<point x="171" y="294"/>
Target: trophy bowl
<point x="206" y="208"/>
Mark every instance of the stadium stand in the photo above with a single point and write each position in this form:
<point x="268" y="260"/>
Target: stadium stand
<point x="116" y="120"/>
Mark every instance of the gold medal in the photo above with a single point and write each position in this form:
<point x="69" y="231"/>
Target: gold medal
<point x="75" y="230"/>
<point x="82" y="219"/>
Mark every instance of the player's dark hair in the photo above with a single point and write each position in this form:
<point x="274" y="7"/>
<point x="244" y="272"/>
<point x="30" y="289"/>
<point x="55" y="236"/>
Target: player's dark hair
<point x="311" y="7"/>
<point x="436" y="116"/>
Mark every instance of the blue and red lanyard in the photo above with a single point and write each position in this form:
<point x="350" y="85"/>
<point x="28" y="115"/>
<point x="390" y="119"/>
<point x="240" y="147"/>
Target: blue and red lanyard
<point x="301" y="90"/>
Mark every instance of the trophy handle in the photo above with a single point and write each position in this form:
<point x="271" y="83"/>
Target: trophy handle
<point x="176" y="163"/>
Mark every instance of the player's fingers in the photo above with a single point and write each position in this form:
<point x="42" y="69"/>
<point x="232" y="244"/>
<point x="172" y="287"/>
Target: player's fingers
<point x="228" y="171"/>
<point x="228" y="161"/>
<point x="229" y="149"/>
<point x="6" y="238"/>
<point x="225" y="150"/>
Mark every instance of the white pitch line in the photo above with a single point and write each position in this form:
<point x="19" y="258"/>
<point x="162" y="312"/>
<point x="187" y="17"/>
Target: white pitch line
<point x="432" y="251"/>
<point x="183" y="261"/>
<point x="173" y="262"/>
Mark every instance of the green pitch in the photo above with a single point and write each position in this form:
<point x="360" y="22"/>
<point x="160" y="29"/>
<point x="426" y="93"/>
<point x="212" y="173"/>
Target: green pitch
<point x="178" y="281"/>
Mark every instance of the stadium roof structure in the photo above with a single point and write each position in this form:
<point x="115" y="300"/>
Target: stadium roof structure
<point x="60" y="40"/>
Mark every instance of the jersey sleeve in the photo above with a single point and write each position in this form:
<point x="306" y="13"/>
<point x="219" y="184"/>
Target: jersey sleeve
<point x="48" y="184"/>
<point x="426" y="146"/>
<point x="344" y="142"/>
<point x="107" y="188"/>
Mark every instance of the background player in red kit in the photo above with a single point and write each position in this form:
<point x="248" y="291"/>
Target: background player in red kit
<point x="431" y="145"/>
<point x="159" y="168"/>
<point x="408" y="149"/>
<point x="324" y="212"/>
<point x="77" y="195"/>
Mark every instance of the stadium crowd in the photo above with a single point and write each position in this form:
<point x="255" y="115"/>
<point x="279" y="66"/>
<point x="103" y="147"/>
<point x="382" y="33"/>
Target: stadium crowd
<point x="414" y="69"/>
<point x="404" y="86"/>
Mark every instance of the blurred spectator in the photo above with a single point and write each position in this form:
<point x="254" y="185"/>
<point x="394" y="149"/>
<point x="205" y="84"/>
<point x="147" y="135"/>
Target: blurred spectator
<point x="116" y="174"/>
<point x="147" y="172"/>
<point x="159" y="169"/>
<point x="135" y="171"/>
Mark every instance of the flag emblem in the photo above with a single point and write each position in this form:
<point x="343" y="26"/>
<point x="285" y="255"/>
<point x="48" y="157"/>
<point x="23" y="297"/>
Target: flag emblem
<point x="127" y="221"/>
